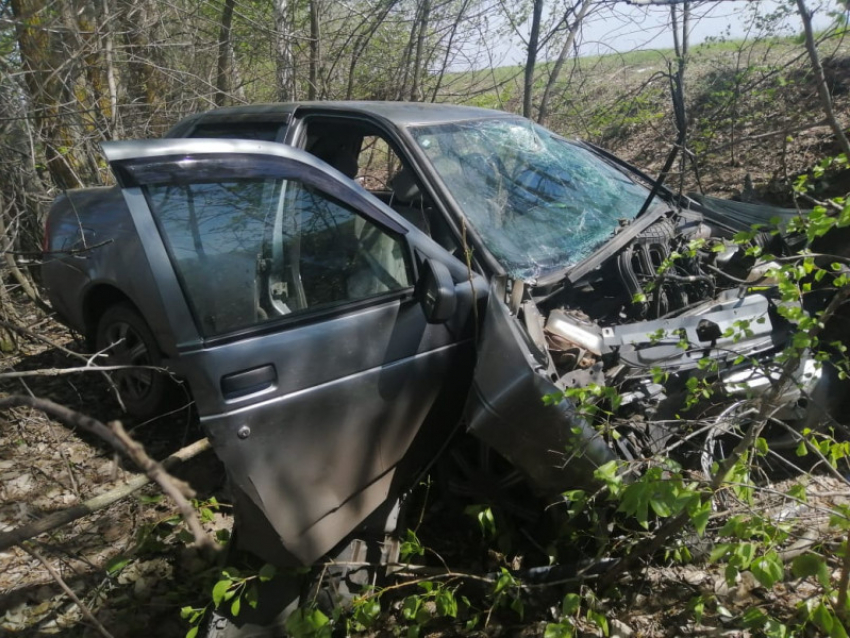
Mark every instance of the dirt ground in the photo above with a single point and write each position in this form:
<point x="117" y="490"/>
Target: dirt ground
<point x="130" y="565"/>
<point x="45" y="467"/>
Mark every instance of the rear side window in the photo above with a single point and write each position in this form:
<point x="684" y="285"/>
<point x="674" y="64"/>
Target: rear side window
<point x="260" y="131"/>
<point x="251" y="251"/>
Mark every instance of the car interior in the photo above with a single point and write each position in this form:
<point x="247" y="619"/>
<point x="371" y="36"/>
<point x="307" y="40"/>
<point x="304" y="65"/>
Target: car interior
<point x="362" y="153"/>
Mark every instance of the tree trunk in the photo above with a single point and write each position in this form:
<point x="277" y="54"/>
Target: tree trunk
<point x="105" y="31"/>
<point x="224" y="73"/>
<point x="444" y="67"/>
<point x="424" y="16"/>
<point x="543" y="113"/>
<point x="820" y="79"/>
<point x="283" y="52"/>
<point x="362" y="41"/>
<point x="146" y="84"/>
<point x="315" y="49"/>
<point x="401" y="91"/>
<point x="42" y="60"/>
<point x="531" y="58"/>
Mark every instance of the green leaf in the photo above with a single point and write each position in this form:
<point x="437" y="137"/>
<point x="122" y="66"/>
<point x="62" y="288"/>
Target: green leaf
<point x="768" y="569"/>
<point x="607" y="472"/>
<point x="220" y="591"/>
<point x="193" y="631"/>
<point x="719" y="551"/>
<point x="116" y="564"/>
<point x="367" y="611"/>
<point x="252" y="596"/>
<point x="661" y="506"/>
<point x="236" y="606"/>
<point x="222" y="535"/>
<point x="505" y="580"/>
<point x="185" y="536"/>
<point x="518" y="607"/>
<point x="823" y="618"/>
<point x="743" y="555"/>
<point x="571" y="604"/>
<point x="775" y="629"/>
<point x="697" y="606"/>
<point x="412" y="546"/>
<point x="798" y="491"/>
<point x="599" y="620"/>
<point x="266" y="573"/>
<point x="700" y="514"/>
<point x="558" y="630"/>
<point x="838" y="630"/>
<point x="754" y="617"/>
<point x="410" y="606"/>
<point x="307" y="622"/>
<point x="446" y="603"/>
<point x="806" y="565"/>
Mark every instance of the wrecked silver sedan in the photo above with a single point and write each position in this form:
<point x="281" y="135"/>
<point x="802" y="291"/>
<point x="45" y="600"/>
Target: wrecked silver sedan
<point x="342" y="284"/>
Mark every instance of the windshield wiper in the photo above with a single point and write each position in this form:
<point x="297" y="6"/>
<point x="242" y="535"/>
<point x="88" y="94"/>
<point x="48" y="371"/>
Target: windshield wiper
<point x="573" y="273"/>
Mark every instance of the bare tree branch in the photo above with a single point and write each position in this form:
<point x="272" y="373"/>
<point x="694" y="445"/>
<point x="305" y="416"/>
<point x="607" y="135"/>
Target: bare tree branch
<point x="115" y="436"/>
<point x="70" y="592"/>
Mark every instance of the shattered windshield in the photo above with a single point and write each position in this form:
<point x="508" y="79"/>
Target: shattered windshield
<point x="538" y="202"/>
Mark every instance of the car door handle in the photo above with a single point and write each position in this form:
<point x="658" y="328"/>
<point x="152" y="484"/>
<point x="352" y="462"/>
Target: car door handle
<point x="247" y="382"/>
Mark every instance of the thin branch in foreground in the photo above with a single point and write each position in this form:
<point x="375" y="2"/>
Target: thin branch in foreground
<point x="71" y="514"/>
<point x="58" y="578"/>
<point x="58" y="372"/>
<point x="117" y="437"/>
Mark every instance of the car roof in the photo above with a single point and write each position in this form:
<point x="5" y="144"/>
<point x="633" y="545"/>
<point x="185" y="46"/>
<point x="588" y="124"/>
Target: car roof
<point x="401" y="114"/>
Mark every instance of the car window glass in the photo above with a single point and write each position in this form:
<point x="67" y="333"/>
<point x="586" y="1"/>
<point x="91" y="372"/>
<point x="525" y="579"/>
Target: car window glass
<point x="253" y="250"/>
<point x="366" y="154"/>
<point x="329" y="254"/>
<point x="261" y="131"/>
<point x="538" y="202"/>
<point x="377" y="164"/>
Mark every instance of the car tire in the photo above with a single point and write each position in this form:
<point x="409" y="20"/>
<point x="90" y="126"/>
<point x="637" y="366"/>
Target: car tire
<point x="124" y="336"/>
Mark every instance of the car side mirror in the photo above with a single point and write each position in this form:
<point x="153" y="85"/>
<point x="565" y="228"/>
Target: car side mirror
<point x="436" y="291"/>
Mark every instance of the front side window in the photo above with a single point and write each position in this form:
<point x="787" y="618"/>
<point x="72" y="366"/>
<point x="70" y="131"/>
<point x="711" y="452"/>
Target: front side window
<point x="250" y="251"/>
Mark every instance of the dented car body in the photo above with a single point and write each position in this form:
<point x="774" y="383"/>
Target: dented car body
<point x="342" y="284"/>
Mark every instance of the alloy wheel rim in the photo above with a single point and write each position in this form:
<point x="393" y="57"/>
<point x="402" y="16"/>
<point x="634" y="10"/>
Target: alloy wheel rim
<point x="129" y="349"/>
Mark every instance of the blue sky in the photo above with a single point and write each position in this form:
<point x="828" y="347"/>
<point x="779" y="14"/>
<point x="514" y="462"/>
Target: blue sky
<point x="621" y="27"/>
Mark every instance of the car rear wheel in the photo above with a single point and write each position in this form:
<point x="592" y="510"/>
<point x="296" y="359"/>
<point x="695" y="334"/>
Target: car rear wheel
<point x="127" y="340"/>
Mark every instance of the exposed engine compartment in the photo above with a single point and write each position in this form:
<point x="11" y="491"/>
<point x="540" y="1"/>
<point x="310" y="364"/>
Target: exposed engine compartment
<point x="678" y="293"/>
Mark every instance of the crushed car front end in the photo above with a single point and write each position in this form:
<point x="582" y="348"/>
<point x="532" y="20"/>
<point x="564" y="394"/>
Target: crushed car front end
<point x="653" y="309"/>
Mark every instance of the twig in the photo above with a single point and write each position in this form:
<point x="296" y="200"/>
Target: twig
<point x="58" y="372"/>
<point x="37" y="337"/>
<point x="73" y="251"/>
<point x="843" y="582"/>
<point x="673" y="525"/>
<point x="58" y="578"/>
<point x="63" y="517"/>
<point x="115" y="436"/>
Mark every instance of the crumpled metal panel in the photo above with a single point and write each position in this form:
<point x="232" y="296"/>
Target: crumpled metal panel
<point x="555" y="447"/>
<point x="656" y="343"/>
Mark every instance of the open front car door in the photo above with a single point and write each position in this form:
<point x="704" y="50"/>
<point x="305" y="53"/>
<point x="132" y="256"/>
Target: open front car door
<point x="323" y="374"/>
